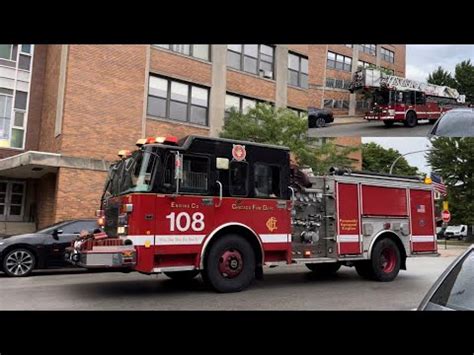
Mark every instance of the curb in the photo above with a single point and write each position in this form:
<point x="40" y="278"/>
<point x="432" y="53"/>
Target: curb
<point x="346" y="123"/>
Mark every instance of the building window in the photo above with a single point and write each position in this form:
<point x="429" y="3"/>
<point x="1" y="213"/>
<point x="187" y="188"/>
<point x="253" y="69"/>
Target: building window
<point x="239" y="103"/>
<point x="337" y="104"/>
<point x="251" y="58"/>
<point x="362" y="105"/>
<point x="369" y="48"/>
<point x="177" y="101"/>
<point x="298" y="70"/>
<point x="12" y="200"/>
<point x="362" y="64"/>
<point x="201" y="51"/>
<point x="387" y="55"/>
<point x="332" y="83"/>
<point x="6" y="51"/>
<point x="5" y="117"/>
<point x="299" y="112"/>
<point x="389" y="71"/>
<point x="338" y="61"/>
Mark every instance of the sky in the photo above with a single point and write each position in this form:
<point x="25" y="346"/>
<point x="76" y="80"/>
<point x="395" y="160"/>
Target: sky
<point x="406" y="145"/>
<point x="421" y="60"/>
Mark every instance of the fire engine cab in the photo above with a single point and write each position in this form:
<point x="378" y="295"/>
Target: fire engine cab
<point x="395" y="99"/>
<point x="226" y="209"/>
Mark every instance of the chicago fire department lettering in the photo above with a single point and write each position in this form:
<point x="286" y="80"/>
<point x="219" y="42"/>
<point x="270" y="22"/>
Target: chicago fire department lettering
<point x="238" y="152"/>
<point x="272" y="224"/>
<point x="348" y="225"/>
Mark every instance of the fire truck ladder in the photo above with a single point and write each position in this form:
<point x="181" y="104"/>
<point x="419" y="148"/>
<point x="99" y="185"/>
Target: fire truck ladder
<point x="398" y="83"/>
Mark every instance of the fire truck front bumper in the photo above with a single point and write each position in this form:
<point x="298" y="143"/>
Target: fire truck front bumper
<point x="120" y="257"/>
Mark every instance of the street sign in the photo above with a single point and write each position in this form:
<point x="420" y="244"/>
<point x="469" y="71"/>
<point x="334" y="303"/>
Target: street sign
<point x="445" y="206"/>
<point x="446" y="216"/>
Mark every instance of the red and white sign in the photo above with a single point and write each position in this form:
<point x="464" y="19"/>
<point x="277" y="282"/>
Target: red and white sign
<point x="446" y="216"/>
<point x="238" y="152"/>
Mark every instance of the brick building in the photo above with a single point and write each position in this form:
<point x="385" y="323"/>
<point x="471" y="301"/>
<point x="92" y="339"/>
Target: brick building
<point x="65" y="110"/>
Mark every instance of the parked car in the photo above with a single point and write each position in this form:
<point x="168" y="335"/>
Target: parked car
<point x="455" y="123"/>
<point x="458" y="232"/>
<point x="454" y="289"/>
<point x="440" y="232"/>
<point x="318" y="117"/>
<point x="21" y="254"/>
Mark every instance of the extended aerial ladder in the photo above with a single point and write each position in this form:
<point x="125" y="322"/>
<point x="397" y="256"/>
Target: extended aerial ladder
<point x="375" y="78"/>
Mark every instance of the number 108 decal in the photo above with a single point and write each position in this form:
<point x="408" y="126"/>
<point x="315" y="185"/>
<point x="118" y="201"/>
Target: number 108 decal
<point x="183" y="221"/>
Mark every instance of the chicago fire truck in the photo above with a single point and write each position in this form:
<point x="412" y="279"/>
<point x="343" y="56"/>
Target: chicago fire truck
<point x="226" y="209"/>
<point x="395" y="99"/>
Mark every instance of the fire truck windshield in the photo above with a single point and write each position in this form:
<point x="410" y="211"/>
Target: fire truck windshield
<point x="133" y="174"/>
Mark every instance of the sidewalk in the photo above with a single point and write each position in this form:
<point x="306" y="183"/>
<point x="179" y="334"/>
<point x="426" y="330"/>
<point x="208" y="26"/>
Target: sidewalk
<point x="452" y="250"/>
<point x="343" y="120"/>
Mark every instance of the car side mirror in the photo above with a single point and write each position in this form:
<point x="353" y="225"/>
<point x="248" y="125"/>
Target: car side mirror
<point x="56" y="232"/>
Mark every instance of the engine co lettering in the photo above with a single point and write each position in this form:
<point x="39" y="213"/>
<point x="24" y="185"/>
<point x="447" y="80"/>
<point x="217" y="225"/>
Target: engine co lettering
<point x="184" y="205"/>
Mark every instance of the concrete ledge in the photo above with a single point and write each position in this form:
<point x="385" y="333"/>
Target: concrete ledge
<point x="50" y="161"/>
<point x="343" y="120"/>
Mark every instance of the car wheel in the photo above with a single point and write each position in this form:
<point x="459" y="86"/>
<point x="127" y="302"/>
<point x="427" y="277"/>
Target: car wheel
<point x="230" y="264"/>
<point x="182" y="275"/>
<point x="446" y="237"/>
<point x="19" y="263"/>
<point x="459" y="238"/>
<point x="320" y="122"/>
<point x="326" y="269"/>
<point x="388" y="123"/>
<point x="411" y="119"/>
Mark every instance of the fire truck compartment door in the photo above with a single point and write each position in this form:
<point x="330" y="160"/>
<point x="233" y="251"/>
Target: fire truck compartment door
<point x="348" y="223"/>
<point x="422" y="221"/>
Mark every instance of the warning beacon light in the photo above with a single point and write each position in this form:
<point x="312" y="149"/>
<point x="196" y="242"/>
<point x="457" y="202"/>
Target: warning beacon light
<point x="171" y="140"/>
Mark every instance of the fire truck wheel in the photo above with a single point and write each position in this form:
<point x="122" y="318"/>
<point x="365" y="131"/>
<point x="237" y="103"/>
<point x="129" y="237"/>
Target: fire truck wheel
<point x="364" y="269"/>
<point x="388" y="123"/>
<point x="433" y="121"/>
<point x="411" y="120"/>
<point x="326" y="269"/>
<point x="182" y="275"/>
<point x="386" y="260"/>
<point x="229" y="264"/>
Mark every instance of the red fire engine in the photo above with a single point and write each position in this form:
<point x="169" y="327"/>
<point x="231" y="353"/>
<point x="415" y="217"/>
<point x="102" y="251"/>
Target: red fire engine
<point x="395" y="99"/>
<point x="225" y="209"/>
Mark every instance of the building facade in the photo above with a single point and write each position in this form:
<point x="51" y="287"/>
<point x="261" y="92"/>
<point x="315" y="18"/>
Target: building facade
<point x="65" y="110"/>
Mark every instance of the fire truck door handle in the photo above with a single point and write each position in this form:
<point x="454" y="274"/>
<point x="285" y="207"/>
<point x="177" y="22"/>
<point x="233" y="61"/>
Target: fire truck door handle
<point x="292" y="193"/>
<point x="220" y="193"/>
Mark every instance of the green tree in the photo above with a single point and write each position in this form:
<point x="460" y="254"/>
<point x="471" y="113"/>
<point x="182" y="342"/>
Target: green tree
<point x="464" y="75"/>
<point x="377" y="159"/>
<point x="441" y="77"/>
<point x="453" y="160"/>
<point x="281" y="126"/>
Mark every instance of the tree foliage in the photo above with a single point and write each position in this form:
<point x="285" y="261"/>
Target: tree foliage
<point x="453" y="160"/>
<point x="464" y="76"/>
<point x="378" y="159"/>
<point x="281" y="126"/>
<point x="442" y="77"/>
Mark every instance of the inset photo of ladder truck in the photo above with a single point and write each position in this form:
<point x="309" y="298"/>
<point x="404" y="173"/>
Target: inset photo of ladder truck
<point x="393" y="99"/>
<point x="227" y="209"/>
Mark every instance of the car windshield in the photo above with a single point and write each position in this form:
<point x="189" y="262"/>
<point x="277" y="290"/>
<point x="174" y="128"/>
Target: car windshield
<point x="455" y="124"/>
<point x="457" y="290"/>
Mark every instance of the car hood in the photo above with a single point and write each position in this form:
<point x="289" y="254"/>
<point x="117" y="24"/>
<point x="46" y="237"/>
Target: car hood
<point x="20" y="237"/>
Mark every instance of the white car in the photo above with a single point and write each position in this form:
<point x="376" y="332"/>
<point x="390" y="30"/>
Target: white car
<point x="458" y="232"/>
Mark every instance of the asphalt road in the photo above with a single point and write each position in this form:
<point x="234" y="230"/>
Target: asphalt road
<point x="284" y="288"/>
<point x="371" y="129"/>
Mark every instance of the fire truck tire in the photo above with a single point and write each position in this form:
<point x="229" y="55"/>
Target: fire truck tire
<point x="411" y="119"/>
<point x="230" y="264"/>
<point x="326" y="269"/>
<point x="364" y="269"/>
<point x="386" y="260"/>
<point x="433" y="121"/>
<point x="182" y="275"/>
<point x="388" y="123"/>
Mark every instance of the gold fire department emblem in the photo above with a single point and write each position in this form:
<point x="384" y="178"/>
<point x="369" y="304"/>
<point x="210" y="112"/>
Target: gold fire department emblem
<point x="272" y="224"/>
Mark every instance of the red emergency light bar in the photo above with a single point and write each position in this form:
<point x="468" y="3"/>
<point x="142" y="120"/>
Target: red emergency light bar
<point x="166" y="140"/>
